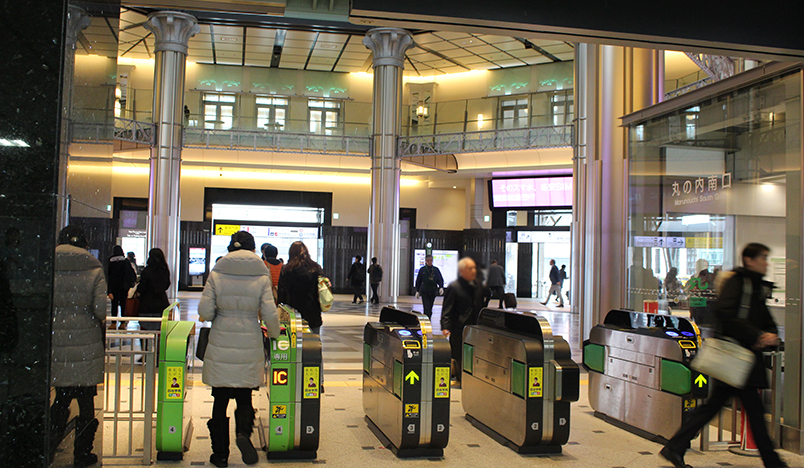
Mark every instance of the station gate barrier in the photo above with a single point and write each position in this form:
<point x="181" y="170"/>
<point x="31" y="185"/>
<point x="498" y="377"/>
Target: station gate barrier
<point x="518" y="381"/>
<point x="290" y="429"/>
<point x="406" y="384"/>
<point x="639" y="374"/>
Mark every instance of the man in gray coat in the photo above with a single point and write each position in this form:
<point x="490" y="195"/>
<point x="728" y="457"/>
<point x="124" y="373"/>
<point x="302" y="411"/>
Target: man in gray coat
<point x="79" y="312"/>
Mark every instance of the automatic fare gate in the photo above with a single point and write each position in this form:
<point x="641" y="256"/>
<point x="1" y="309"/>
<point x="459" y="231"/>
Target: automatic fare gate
<point x="519" y="381"/>
<point x="639" y="374"/>
<point x="290" y="429"/>
<point x="406" y="384"/>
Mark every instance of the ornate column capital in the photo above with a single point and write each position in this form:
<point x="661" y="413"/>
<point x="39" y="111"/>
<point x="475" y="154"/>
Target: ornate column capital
<point x="389" y="45"/>
<point x="77" y="21"/>
<point x="172" y="29"/>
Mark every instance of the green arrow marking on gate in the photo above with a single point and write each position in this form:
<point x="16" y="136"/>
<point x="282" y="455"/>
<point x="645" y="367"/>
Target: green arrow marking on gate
<point x="700" y="380"/>
<point x="412" y="377"/>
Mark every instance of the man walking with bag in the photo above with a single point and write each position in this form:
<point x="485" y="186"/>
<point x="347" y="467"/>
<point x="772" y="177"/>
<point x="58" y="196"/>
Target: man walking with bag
<point x="743" y="316"/>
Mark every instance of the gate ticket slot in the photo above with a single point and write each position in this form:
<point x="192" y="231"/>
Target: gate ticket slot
<point x="639" y="374"/>
<point x="290" y="419"/>
<point x="518" y="381"/>
<point x="406" y="384"/>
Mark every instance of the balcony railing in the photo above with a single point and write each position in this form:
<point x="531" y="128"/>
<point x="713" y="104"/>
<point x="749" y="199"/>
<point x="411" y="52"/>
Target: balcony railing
<point x="241" y="140"/>
<point x="103" y="133"/>
<point x="486" y="141"/>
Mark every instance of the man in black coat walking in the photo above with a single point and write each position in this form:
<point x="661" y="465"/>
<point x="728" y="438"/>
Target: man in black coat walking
<point x="555" y="284"/>
<point x="496" y="282"/>
<point x="357" y="279"/>
<point x="462" y="304"/>
<point x="757" y="333"/>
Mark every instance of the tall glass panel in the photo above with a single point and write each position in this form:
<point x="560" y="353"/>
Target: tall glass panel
<point x="704" y="182"/>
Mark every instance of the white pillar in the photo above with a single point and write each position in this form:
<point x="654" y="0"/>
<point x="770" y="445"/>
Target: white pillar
<point x="609" y="82"/>
<point x="172" y="31"/>
<point x="389" y="46"/>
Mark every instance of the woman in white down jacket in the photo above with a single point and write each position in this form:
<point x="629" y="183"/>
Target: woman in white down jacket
<point x="79" y="312"/>
<point x="237" y="294"/>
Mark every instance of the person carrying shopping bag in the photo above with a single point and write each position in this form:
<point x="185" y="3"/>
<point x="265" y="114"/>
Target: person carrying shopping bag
<point x="238" y="294"/>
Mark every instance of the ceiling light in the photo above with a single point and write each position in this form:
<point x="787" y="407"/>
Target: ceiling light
<point x="18" y="143"/>
<point x="694" y="219"/>
<point x="336" y="215"/>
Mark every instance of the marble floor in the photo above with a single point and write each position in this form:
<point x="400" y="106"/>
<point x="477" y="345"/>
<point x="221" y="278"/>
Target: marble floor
<point x="346" y="440"/>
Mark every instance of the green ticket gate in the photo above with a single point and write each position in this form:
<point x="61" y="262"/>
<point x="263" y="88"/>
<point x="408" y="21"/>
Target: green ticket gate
<point x="406" y="384"/>
<point x="639" y="374"/>
<point x="290" y="427"/>
<point x="174" y="427"/>
<point x="518" y="381"/>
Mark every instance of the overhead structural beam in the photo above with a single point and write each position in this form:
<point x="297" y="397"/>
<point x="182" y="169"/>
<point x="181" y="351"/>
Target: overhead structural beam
<point x="530" y="45"/>
<point x="442" y="56"/>
<point x="279" y="43"/>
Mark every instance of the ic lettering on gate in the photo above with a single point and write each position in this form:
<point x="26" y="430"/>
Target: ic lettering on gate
<point x="280" y="377"/>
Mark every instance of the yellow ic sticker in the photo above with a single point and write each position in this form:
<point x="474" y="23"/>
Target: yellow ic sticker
<point x="690" y="403"/>
<point x="442" y="382"/>
<point x="279" y="412"/>
<point x="174" y="379"/>
<point x="411" y="410"/>
<point x="311" y="383"/>
<point x="535" y="382"/>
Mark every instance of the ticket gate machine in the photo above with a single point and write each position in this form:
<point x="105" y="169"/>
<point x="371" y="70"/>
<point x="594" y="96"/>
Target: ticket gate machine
<point x="518" y="381"/>
<point x="174" y="424"/>
<point x="290" y="429"/>
<point x="639" y="374"/>
<point x="406" y="384"/>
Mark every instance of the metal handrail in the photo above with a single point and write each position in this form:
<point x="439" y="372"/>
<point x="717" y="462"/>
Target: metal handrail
<point x="558" y="136"/>
<point x="281" y="142"/>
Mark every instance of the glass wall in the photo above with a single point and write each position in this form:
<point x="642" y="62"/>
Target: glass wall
<point x="704" y="182"/>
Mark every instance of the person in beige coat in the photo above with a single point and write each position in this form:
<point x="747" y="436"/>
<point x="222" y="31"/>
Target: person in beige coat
<point x="237" y="295"/>
<point x="79" y="313"/>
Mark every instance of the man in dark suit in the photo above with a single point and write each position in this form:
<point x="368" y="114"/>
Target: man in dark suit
<point x="496" y="282"/>
<point x="463" y="301"/>
<point x="755" y="331"/>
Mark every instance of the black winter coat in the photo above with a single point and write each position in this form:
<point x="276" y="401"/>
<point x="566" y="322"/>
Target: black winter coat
<point x="152" y="289"/>
<point x="298" y="288"/>
<point x="463" y="302"/>
<point x="759" y="321"/>
<point x="357" y="274"/>
<point x="120" y="277"/>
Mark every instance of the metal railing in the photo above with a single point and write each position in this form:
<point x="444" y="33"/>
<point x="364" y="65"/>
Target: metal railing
<point x="130" y="393"/>
<point x="687" y="88"/>
<point x="242" y="140"/>
<point x="485" y="141"/>
<point x="134" y="131"/>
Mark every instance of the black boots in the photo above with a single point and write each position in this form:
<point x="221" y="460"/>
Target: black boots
<point x="244" y="425"/>
<point x="219" y="436"/>
<point x="84" y="438"/>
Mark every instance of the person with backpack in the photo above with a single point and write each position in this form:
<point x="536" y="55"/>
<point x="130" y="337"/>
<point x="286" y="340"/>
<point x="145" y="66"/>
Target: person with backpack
<point x="429" y="284"/>
<point x="298" y="285"/>
<point x="743" y="316"/>
<point x="375" y="278"/>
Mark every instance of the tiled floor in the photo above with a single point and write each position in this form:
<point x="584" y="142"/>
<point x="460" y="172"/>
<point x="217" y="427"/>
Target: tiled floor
<point x="347" y="442"/>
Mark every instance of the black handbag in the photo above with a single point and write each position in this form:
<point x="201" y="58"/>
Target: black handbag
<point x="201" y="343"/>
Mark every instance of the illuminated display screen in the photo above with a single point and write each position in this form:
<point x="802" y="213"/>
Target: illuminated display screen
<point x="531" y="193"/>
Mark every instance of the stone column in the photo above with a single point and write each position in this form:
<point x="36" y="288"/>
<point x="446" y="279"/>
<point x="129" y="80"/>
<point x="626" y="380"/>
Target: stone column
<point x="172" y="31"/>
<point x="389" y="46"/>
<point x="77" y="21"/>
<point x="609" y="82"/>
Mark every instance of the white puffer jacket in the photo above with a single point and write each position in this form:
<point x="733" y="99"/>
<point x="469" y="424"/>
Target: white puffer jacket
<point x="237" y="292"/>
<point x="79" y="300"/>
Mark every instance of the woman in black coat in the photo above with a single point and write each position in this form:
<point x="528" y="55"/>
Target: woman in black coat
<point x="120" y="277"/>
<point x="154" y="282"/>
<point x="298" y="285"/>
